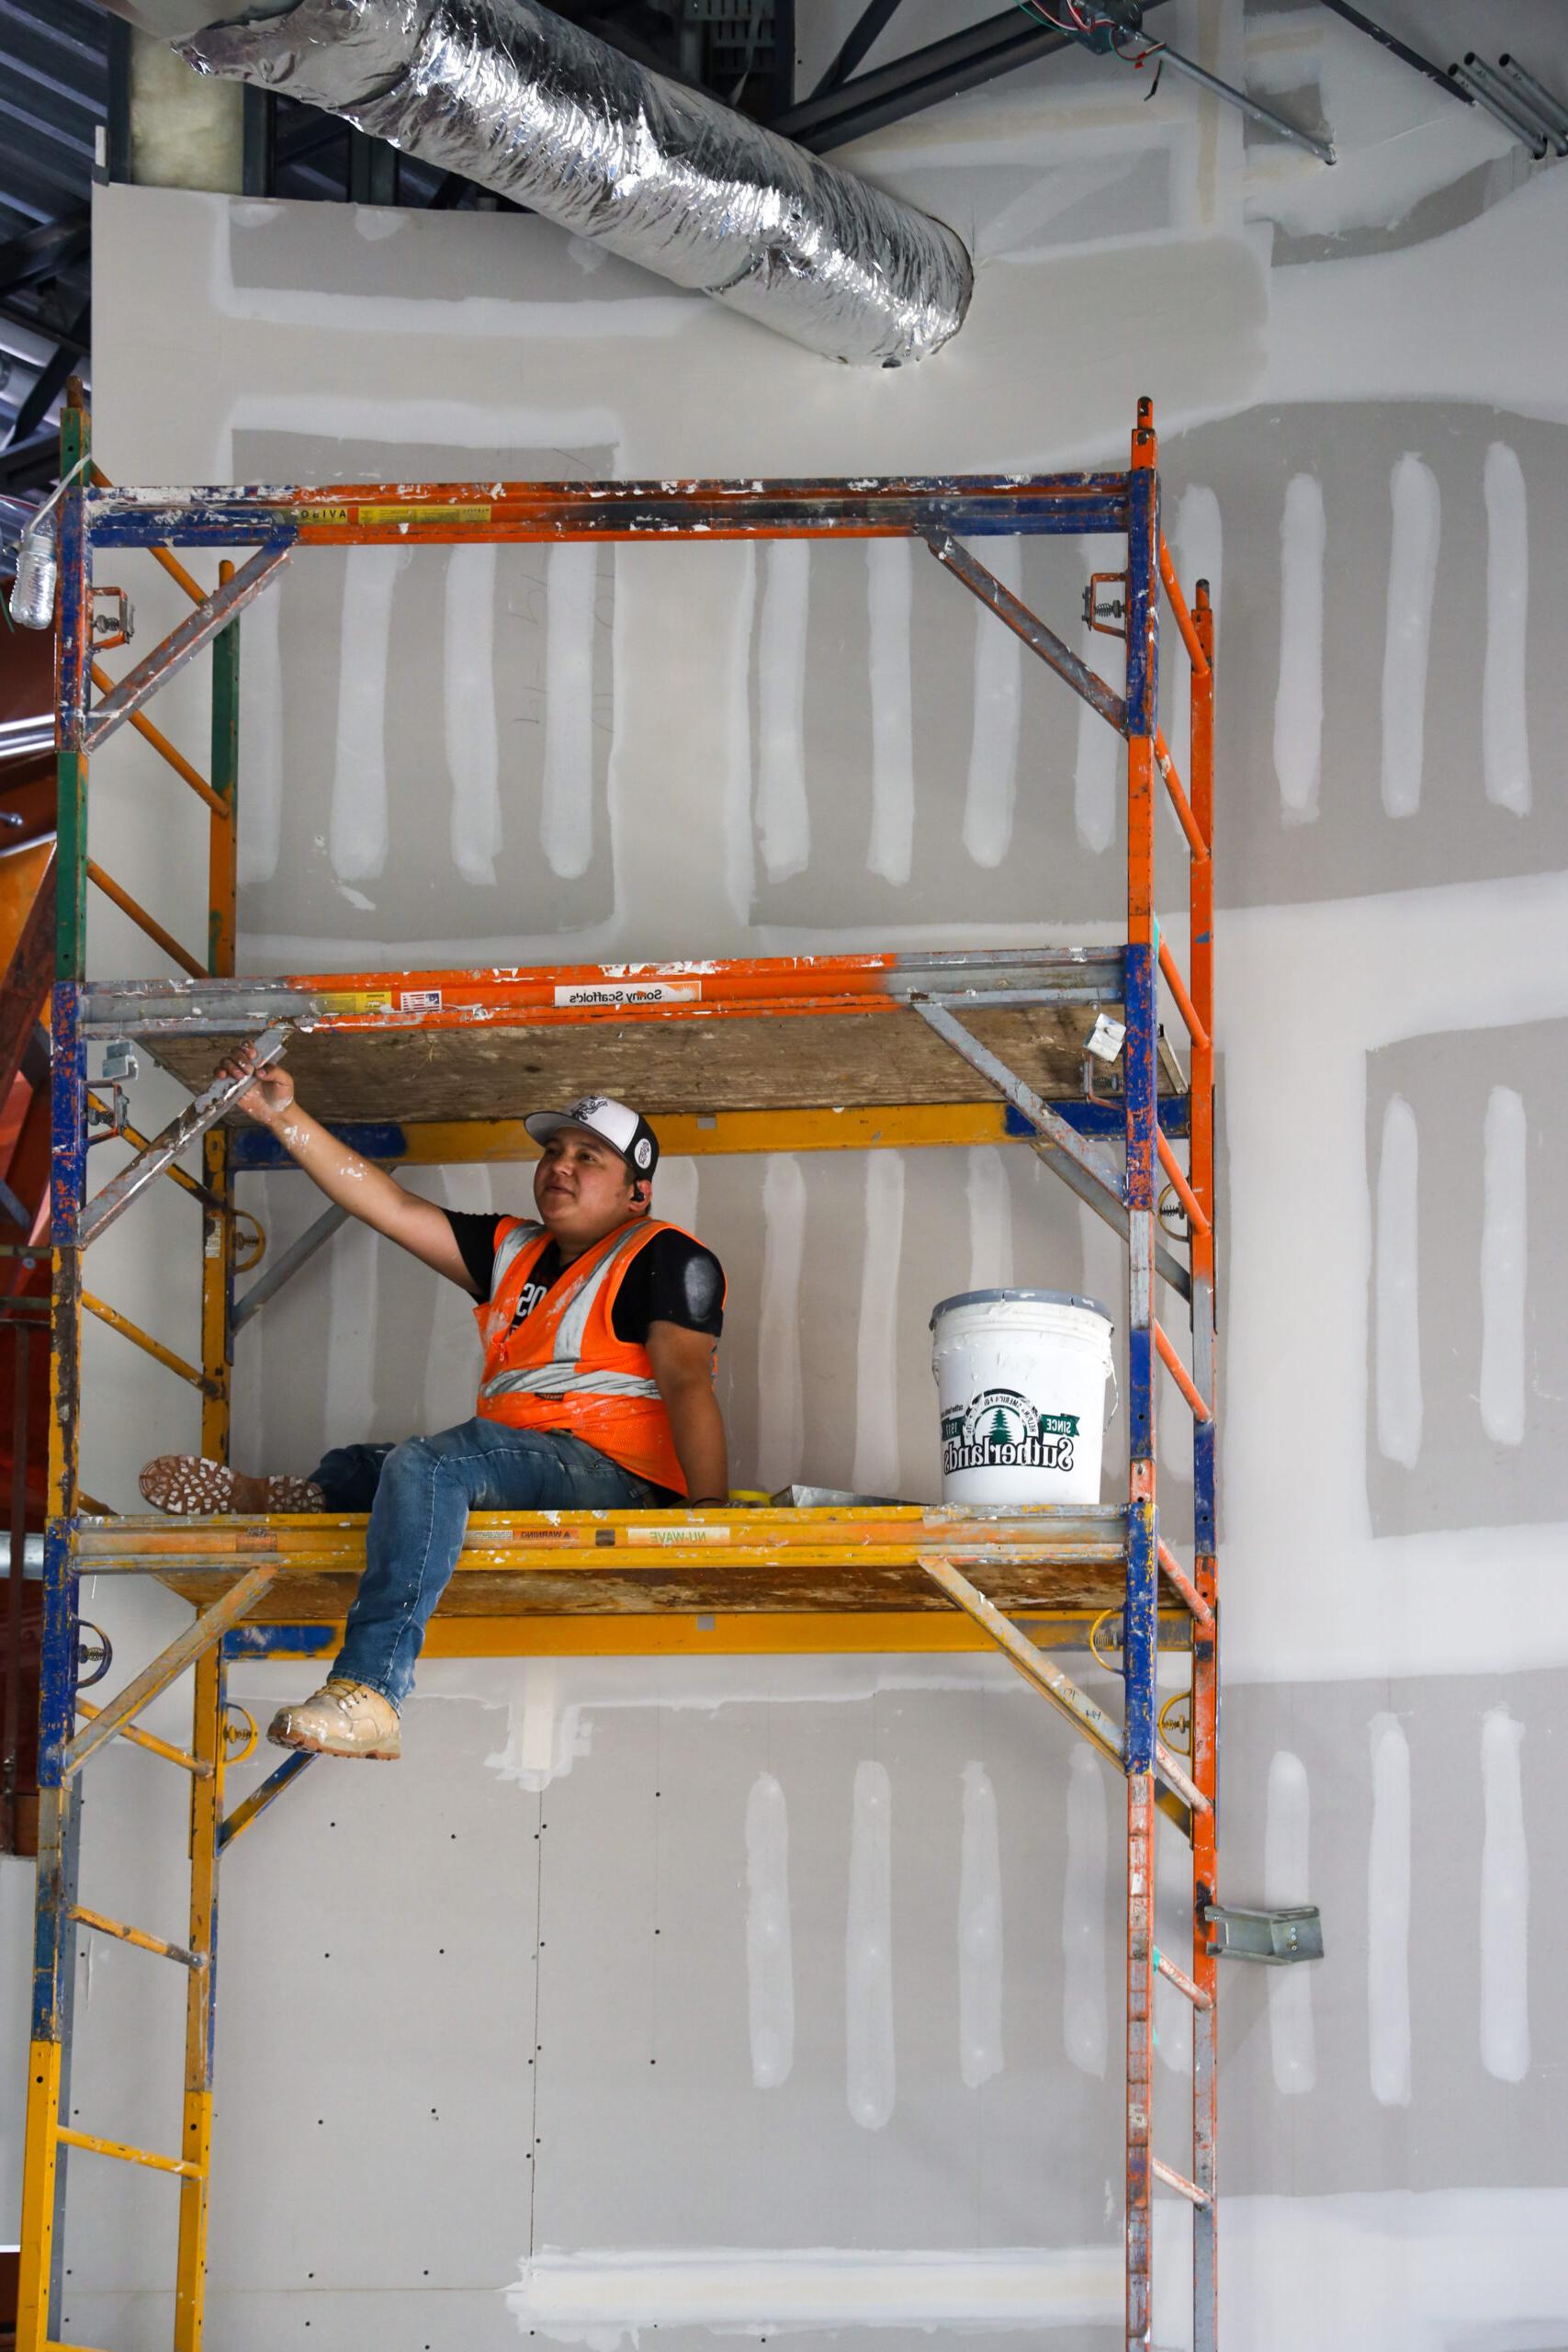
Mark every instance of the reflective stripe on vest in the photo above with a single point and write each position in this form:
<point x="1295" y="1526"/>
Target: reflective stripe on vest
<point x="509" y="1248"/>
<point x="564" y="1374"/>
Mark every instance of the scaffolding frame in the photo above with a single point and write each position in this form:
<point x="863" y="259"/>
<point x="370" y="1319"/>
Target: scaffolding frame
<point x="1024" y="1580"/>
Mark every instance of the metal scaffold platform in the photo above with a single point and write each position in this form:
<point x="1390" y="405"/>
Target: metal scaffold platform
<point x="1059" y="1050"/>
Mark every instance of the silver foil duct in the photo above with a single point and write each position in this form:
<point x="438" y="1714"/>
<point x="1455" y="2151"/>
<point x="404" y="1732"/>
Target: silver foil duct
<point x="525" y="103"/>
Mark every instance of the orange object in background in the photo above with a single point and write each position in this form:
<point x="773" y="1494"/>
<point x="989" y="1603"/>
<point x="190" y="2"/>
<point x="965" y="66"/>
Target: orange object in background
<point x="27" y="959"/>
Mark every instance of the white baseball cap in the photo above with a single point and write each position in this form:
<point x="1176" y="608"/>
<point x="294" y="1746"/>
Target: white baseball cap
<point x="625" y="1130"/>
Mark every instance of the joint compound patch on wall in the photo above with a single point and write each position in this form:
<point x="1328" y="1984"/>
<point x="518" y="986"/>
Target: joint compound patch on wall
<point x="503" y="709"/>
<point x="1467" y="1418"/>
<point x="770" y="1962"/>
<point x="870" y="2065"/>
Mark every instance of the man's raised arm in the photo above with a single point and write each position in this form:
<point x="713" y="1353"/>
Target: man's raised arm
<point x="366" y="1192"/>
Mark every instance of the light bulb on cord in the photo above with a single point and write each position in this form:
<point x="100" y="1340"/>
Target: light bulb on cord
<point x="37" y="564"/>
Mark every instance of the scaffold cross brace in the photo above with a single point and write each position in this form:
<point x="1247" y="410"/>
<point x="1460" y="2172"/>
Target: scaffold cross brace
<point x="205" y="1111"/>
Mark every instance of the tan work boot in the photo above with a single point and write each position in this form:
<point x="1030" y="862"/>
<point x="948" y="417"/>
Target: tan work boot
<point x="341" y="1719"/>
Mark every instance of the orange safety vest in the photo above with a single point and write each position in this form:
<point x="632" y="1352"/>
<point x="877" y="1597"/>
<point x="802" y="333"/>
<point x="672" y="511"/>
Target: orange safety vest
<point x="563" y="1367"/>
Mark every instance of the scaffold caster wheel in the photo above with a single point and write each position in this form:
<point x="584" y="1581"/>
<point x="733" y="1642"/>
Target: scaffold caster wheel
<point x="240" y="1733"/>
<point x="250" y="1241"/>
<point x="1175" y="1722"/>
<point x="94" y="1651"/>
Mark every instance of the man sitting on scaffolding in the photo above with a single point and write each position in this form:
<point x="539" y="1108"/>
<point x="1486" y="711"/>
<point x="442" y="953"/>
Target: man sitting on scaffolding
<point x="600" y="1327"/>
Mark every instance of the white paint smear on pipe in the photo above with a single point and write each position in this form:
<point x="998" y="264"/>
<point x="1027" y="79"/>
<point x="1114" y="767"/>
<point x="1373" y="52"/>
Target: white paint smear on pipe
<point x="781" y="1435"/>
<point x="992" y="791"/>
<point x="784" y="819"/>
<point x="356" y="826"/>
<point x="1407" y="630"/>
<point x="890" y="582"/>
<point x="1505" y="1902"/>
<point x="769" y="1960"/>
<point x="261" y="733"/>
<point x="1388" y="1915"/>
<point x="565" y="815"/>
<point x="473" y="750"/>
<point x="1504" y="727"/>
<point x="979" y="1932"/>
<point x="1286" y="1881"/>
<point x="1085" y="2016"/>
<point x="1398" y="1300"/>
<point x="875" y="1470"/>
<point x="1298" y="699"/>
<point x="1099" y="767"/>
<point x="990" y="1219"/>
<point x="870" y="2069"/>
<point x="1504" y="1242"/>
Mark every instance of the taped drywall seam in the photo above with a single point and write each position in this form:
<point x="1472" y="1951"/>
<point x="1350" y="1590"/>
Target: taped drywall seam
<point x="769" y="1961"/>
<point x="1503" y="1257"/>
<point x="1388" y="1915"/>
<point x="357" y="833"/>
<point x="870" y="2066"/>
<point x="1298" y="699"/>
<point x="992" y="789"/>
<point x="979" y="1932"/>
<point x="784" y="819"/>
<point x="890" y="583"/>
<point x="1504" y="725"/>
<point x="1286" y="1881"/>
<point x="473" y="751"/>
<point x="1084" y="2019"/>
<point x="875" y="1470"/>
<point x="1505" y="1902"/>
<point x="1399" y="1405"/>
<point x="1407" y="630"/>
<point x="566" y="816"/>
<point x="781" y="1387"/>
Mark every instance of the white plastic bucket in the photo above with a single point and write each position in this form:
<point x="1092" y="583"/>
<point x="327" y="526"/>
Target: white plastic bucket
<point x="1020" y="1382"/>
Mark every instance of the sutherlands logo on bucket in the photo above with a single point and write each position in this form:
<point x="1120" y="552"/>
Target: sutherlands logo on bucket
<point x="1001" y="1429"/>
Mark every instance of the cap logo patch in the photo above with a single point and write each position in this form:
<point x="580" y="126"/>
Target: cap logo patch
<point x="586" y="1105"/>
<point x="643" y="1151"/>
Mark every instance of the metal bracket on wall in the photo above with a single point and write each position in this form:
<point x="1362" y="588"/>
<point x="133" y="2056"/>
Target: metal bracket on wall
<point x="1277" y="1939"/>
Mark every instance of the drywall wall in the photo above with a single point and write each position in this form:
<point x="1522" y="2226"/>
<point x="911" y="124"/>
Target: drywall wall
<point x="752" y="1996"/>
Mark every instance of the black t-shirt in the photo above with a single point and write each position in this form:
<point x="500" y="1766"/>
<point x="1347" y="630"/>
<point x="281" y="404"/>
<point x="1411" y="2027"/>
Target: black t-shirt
<point x="671" y="1280"/>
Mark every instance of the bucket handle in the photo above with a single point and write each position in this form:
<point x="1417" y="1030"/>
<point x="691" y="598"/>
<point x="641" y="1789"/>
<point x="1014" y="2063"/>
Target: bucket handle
<point x="1115" y="1396"/>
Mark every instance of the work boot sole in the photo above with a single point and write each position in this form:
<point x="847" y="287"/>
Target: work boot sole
<point x="305" y="1746"/>
<point x="190" y="1486"/>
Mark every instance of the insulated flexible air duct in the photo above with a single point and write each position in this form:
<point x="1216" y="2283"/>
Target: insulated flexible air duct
<point x="521" y="101"/>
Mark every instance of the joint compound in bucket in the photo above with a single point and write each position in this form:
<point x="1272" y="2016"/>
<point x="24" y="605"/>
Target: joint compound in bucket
<point x="1020" y="1382"/>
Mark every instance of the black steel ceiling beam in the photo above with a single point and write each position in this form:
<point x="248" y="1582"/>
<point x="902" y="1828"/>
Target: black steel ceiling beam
<point x="29" y="463"/>
<point x="942" y="69"/>
<point x="51" y="380"/>
<point x="11" y="316"/>
<point x="43" y="252"/>
<point x="868" y="27"/>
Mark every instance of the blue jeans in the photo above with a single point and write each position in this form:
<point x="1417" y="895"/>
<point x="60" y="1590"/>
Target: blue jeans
<point x="419" y="1495"/>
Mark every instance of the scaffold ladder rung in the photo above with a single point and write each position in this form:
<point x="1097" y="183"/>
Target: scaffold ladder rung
<point x="122" y="2153"/>
<point x="104" y="1925"/>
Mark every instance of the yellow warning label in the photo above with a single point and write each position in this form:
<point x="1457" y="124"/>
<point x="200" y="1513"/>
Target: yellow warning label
<point x="356" y="1001"/>
<point x="338" y="514"/>
<point x="425" y="514"/>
